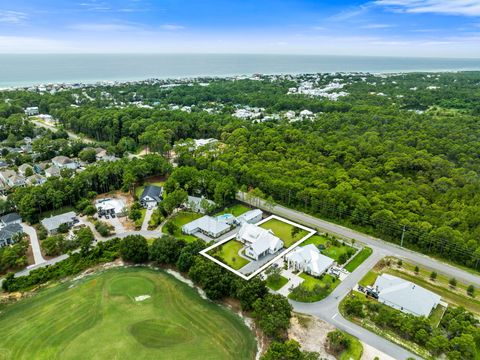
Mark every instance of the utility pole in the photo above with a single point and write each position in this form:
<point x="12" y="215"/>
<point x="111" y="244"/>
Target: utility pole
<point x="403" y="235"/>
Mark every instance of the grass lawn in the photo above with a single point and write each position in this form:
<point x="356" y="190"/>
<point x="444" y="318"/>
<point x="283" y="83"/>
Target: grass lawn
<point x="277" y="285"/>
<point x="358" y="259"/>
<point x="54" y="212"/>
<point x="139" y="222"/>
<point x="139" y="189"/>
<point x="235" y="210"/>
<point x="354" y="351"/>
<point x="436" y="315"/>
<point x="228" y="253"/>
<point x="368" y="279"/>
<point x="98" y="318"/>
<point x="327" y="284"/>
<point x="332" y="251"/>
<point x="181" y="219"/>
<point x="284" y="231"/>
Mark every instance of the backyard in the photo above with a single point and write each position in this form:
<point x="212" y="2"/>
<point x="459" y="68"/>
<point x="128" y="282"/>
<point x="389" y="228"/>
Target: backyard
<point x="235" y="210"/>
<point x="333" y="248"/>
<point x="228" y="254"/>
<point x="181" y="219"/>
<point x="285" y="231"/>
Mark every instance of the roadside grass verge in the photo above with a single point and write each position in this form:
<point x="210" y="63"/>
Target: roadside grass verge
<point x="284" y="231"/>
<point x="358" y="259"/>
<point x="368" y="279"/>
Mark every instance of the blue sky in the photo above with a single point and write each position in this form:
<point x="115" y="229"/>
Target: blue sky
<point x="448" y="28"/>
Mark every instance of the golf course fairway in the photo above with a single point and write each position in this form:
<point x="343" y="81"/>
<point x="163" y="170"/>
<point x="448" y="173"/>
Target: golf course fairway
<point x="122" y="313"/>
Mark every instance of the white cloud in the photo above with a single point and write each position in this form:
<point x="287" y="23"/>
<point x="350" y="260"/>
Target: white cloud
<point x="105" y="27"/>
<point x="171" y="27"/>
<point x="445" y="7"/>
<point x="350" y="13"/>
<point x="12" y="17"/>
<point x="377" y="26"/>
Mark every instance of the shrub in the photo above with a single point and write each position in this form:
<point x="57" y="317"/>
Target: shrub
<point x="134" y="248"/>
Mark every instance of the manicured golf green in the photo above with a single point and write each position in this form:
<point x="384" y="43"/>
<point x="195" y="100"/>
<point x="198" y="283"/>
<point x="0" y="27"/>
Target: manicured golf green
<point x="99" y="318"/>
<point x="284" y="231"/>
<point x="228" y="253"/>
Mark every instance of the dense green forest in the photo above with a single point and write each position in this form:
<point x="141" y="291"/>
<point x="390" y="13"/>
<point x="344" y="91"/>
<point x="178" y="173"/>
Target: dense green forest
<point x="399" y="152"/>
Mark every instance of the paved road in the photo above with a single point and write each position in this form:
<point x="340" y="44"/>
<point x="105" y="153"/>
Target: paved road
<point x="327" y="309"/>
<point x="375" y="243"/>
<point x="71" y="135"/>
<point x="37" y="254"/>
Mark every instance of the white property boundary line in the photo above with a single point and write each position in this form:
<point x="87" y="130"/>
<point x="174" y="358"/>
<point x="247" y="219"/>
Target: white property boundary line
<point x="311" y="232"/>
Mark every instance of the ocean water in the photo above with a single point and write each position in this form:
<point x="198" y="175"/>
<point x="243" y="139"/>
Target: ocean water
<point x="25" y="70"/>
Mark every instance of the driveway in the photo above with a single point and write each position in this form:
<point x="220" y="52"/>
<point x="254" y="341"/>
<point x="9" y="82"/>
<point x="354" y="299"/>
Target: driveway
<point x="146" y="219"/>
<point x="32" y="233"/>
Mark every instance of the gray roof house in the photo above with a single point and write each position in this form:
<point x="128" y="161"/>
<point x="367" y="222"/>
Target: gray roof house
<point x="12" y="218"/>
<point x="52" y="171"/>
<point x="51" y="224"/>
<point x="208" y="225"/>
<point x="251" y="216"/>
<point x="405" y="296"/>
<point x="7" y="234"/>
<point x="151" y="195"/>
<point x="197" y="204"/>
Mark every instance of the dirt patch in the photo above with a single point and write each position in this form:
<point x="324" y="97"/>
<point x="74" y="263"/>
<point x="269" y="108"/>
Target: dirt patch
<point x="370" y="353"/>
<point x="311" y="333"/>
<point x="29" y="254"/>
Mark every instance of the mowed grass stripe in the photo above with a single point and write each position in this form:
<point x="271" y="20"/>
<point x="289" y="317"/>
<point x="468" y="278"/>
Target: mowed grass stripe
<point x="98" y="318"/>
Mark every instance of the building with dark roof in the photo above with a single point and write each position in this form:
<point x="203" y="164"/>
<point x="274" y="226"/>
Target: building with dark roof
<point x="151" y="196"/>
<point x="7" y="234"/>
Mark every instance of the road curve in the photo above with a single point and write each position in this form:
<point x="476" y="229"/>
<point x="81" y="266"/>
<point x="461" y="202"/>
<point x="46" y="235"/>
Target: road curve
<point x="375" y="243"/>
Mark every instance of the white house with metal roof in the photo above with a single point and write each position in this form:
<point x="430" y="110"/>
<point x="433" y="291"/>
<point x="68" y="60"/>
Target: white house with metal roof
<point x="213" y="227"/>
<point x="309" y="259"/>
<point x="251" y="216"/>
<point x="51" y="224"/>
<point x="405" y="296"/>
<point x="259" y="241"/>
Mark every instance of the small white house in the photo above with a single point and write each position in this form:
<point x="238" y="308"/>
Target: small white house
<point x="405" y="296"/>
<point x="309" y="259"/>
<point x="259" y="241"/>
<point x="151" y="196"/>
<point x="51" y="224"/>
<point x="32" y="111"/>
<point x="64" y="162"/>
<point x="251" y="217"/>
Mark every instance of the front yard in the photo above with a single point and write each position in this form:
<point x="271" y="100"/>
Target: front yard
<point x="333" y="248"/>
<point x="228" y="254"/>
<point x="288" y="233"/>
